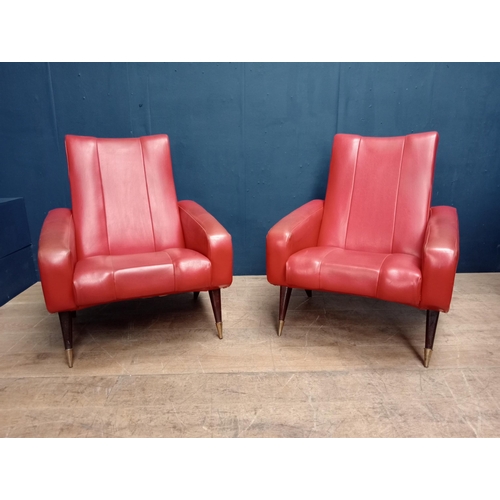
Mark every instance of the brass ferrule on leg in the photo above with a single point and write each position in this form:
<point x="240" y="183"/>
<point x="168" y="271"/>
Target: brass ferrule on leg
<point x="69" y="357"/>
<point x="219" y="329"/>
<point x="427" y="357"/>
<point x="280" y="327"/>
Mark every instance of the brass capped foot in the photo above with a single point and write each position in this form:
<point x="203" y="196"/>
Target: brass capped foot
<point x="69" y="357"/>
<point x="280" y="327"/>
<point x="219" y="329"/>
<point x="427" y="357"/>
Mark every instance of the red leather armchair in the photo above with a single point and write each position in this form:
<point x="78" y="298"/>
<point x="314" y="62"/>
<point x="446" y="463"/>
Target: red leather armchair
<point x="375" y="234"/>
<point x="126" y="236"/>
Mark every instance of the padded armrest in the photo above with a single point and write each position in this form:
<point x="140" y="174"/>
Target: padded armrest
<point x="440" y="259"/>
<point x="57" y="259"/>
<point x="296" y="231"/>
<point x="203" y="233"/>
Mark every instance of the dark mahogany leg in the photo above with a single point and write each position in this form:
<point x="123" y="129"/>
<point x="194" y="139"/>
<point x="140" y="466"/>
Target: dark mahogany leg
<point x="430" y="333"/>
<point x="216" y="306"/>
<point x="285" y="293"/>
<point x="66" y="320"/>
<point x="195" y="295"/>
<point x="309" y="293"/>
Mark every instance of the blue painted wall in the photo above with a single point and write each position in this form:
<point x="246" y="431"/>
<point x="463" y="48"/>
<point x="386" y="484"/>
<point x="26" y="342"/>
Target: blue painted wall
<point x="251" y="142"/>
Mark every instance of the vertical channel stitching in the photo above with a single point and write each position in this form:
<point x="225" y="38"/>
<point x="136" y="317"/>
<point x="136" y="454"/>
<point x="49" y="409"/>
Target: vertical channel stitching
<point x="147" y="191"/>
<point x="352" y="192"/>
<point x="397" y="195"/>
<point x="102" y="192"/>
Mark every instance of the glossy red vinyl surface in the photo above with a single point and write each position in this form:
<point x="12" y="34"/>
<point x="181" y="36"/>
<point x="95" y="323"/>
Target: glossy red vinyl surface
<point x="57" y="259"/>
<point x="203" y="233"/>
<point x="110" y="278"/>
<point x="379" y="192"/>
<point x="392" y="277"/>
<point x="440" y="258"/>
<point x="123" y="195"/>
<point x="296" y="231"/>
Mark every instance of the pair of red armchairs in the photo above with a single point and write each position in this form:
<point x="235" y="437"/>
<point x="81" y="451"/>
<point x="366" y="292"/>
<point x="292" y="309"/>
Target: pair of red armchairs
<point x="128" y="237"/>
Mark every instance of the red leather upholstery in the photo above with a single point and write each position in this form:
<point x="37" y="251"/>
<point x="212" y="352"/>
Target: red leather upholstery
<point x="393" y="277"/>
<point x="379" y="192"/>
<point x="123" y="195"/>
<point x="126" y="235"/>
<point x="376" y="234"/>
<point x="440" y="258"/>
<point x="203" y="233"/>
<point x="57" y="259"/>
<point x="108" y="278"/>
<point x="296" y="231"/>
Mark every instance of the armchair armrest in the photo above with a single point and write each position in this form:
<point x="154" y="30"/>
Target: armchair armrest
<point x="203" y="233"/>
<point x="57" y="259"/>
<point x="440" y="259"/>
<point x="296" y="231"/>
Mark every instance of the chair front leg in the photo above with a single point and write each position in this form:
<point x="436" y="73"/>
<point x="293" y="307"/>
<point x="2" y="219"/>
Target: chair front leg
<point x="216" y="306"/>
<point x="285" y="293"/>
<point x="66" y="320"/>
<point x="430" y="332"/>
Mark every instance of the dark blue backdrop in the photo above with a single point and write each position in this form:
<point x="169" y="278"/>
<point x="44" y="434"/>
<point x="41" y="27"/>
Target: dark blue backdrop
<point x="251" y="142"/>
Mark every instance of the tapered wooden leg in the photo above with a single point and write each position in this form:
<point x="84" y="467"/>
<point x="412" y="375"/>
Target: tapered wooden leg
<point x="285" y="293"/>
<point x="195" y="295"/>
<point x="430" y="333"/>
<point x="216" y="306"/>
<point x="309" y="293"/>
<point x="66" y="320"/>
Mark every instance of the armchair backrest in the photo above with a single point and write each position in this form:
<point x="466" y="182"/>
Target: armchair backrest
<point x="379" y="193"/>
<point x="123" y="195"/>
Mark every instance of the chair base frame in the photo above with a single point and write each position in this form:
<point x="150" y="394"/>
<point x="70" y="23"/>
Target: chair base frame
<point x="66" y="321"/>
<point x="430" y="323"/>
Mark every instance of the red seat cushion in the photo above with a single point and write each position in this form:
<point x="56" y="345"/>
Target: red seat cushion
<point x="109" y="278"/>
<point x="394" y="277"/>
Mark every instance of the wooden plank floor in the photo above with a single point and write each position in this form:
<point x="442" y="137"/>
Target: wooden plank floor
<point x="344" y="367"/>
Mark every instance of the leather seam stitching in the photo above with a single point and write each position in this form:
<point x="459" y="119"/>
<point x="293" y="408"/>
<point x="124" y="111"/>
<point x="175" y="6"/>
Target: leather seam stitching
<point x="114" y="276"/>
<point x="397" y="195"/>
<point x="352" y="193"/>
<point x="427" y="236"/>
<point x="424" y="252"/>
<point x="379" y="273"/>
<point x="209" y="249"/>
<point x="321" y="266"/>
<point x="173" y="268"/>
<point x="102" y="192"/>
<point x="147" y="191"/>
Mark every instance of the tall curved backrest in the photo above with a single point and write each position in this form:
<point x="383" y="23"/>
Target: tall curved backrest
<point x="379" y="193"/>
<point x="123" y="195"/>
